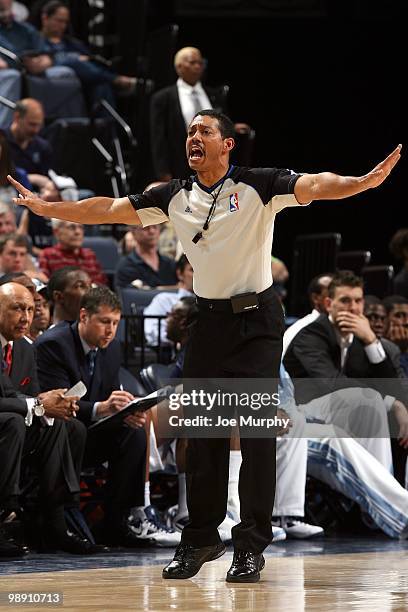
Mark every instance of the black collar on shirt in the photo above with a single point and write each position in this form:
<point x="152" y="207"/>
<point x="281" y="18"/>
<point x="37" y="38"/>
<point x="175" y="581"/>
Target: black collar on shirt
<point x="221" y="180"/>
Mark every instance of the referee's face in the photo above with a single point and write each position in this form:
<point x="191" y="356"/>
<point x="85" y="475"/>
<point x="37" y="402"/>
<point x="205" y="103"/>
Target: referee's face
<point x="205" y="147"/>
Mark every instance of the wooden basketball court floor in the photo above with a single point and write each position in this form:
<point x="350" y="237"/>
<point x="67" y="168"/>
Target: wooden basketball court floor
<point x="330" y="574"/>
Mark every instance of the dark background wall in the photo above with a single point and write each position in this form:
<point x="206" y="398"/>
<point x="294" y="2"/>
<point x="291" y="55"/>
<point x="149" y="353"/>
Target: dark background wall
<point x="321" y="83"/>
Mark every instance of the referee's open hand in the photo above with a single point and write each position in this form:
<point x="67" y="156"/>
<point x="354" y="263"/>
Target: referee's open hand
<point x="28" y="198"/>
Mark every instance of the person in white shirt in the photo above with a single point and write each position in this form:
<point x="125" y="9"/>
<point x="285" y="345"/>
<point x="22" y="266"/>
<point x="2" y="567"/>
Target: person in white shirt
<point x="163" y="302"/>
<point x="317" y="292"/>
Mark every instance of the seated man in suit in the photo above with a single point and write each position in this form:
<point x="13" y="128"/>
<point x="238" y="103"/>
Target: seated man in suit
<point x="87" y="350"/>
<point x="340" y="462"/>
<point x="172" y="109"/>
<point x="334" y="351"/>
<point x="24" y="430"/>
<point x="317" y="292"/>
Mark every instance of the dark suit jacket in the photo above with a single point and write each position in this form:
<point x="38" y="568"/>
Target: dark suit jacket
<point x="168" y="131"/>
<point x="22" y="381"/>
<point x="61" y="363"/>
<point x="23" y="373"/>
<point x="9" y="399"/>
<point x="314" y="353"/>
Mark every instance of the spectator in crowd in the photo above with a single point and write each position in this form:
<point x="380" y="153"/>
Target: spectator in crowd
<point x="28" y="150"/>
<point x="162" y="303"/>
<point x="87" y="350"/>
<point x="172" y="110"/>
<point x="40" y="228"/>
<point x="7" y="220"/>
<point x="338" y="352"/>
<point x="397" y="331"/>
<point x="15" y="257"/>
<point x="24" y="51"/>
<point x="33" y="421"/>
<point x="399" y="249"/>
<point x="317" y="292"/>
<point x="168" y="245"/>
<point x="7" y="191"/>
<point x="342" y="463"/>
<point x="376" y="313"/>
<point x="97" y="80"/>
<point x="42" y="313"/>
<point x="20" y="11"/>
<point x="23" y="40"/>
<point x="280" y="275"/>
<point x="65" y="290"/>
<point x="144" y="266"/>
<point x="13" y="253"/>
<point x="68" y="251"/>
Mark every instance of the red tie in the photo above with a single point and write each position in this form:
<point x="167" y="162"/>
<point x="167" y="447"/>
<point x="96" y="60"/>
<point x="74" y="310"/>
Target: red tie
<point x="8" y="357"/>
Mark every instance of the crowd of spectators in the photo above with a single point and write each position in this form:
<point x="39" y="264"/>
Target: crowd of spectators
<point x="60" y="322"/>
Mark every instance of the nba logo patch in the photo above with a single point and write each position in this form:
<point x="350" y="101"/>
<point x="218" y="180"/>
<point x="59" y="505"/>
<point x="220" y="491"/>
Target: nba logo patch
<point x="234" y="202"/>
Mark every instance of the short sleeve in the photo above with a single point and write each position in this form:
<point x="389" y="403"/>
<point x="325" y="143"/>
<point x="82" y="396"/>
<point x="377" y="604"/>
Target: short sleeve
<point x="152" y="206"/>
<point x="275" y="186"/>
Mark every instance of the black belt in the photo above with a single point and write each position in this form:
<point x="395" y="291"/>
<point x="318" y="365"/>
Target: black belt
<point x="265" y="297"/>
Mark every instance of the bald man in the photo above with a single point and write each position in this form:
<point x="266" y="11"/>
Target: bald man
<point x="172" y="110"/>
<point x="25" y="432"/>
<point x="28" y="150"/>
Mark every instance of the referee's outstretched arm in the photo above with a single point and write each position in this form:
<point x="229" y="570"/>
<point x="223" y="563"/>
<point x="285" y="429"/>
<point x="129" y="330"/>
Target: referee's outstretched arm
<point x="329" y="186"/>
<point x="321" y="186"/>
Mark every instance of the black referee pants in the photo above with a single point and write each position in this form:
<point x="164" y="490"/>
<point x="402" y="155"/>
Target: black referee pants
<point x="227" y="345"/>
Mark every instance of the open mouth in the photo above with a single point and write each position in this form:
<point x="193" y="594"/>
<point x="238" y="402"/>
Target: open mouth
<point x="196" y="153"/>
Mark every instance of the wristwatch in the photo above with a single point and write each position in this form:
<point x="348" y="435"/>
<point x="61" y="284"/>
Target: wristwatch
<point x="38" y="408"/>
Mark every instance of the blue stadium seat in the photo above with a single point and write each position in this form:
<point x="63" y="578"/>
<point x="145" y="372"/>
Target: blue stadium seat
<point x="106" y="251"/>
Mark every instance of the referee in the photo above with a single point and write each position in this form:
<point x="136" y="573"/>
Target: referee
<point x="224" y="217"/>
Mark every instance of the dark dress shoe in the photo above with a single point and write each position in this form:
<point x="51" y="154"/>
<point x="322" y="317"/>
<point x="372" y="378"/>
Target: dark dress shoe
<point x="245" y="567"/>
<point x="9" y="549"/>
<point x="188" y="560"/>
<point x="71" y="543"/>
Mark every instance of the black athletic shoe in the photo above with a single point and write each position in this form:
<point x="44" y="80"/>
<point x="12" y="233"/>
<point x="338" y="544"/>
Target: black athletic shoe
<point x="188" y="560"/>
<point x="245" y="567"/>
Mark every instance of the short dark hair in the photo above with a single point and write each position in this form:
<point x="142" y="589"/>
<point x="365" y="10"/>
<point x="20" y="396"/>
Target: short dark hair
<point x="371" y="300"/>
<point x="50" y="8"/>
<point x="344" y="278"/>
<point x="399" y="243"/>
<point x="315" y="286"/>
<point x="59" y="279"/>
<point x="225" y="124"/>
<point x="100" y="296"/>
<point x="390" y="301"/>
<point x="18" y="239"/>
<point x="181" y="263"/>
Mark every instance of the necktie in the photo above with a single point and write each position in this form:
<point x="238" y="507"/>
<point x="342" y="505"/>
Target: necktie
<point x="8" y="358"/>
<point x="91" y="356"/>
<point x="196" y="101"/>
